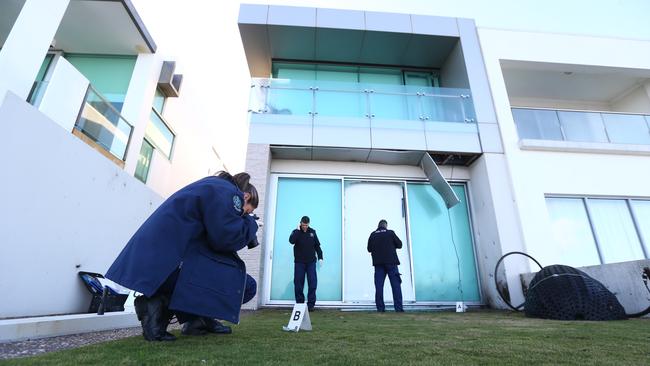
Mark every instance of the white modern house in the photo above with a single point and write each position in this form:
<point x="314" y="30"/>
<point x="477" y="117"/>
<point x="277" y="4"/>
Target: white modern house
<point x="92" y="143"/>
<point x="473" y="134"/>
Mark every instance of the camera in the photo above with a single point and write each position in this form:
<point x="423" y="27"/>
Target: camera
<point x="253" y="243"/>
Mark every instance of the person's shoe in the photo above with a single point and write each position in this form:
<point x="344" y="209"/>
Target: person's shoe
<point x="215" y="326"/>
<point x="152" y="315"/>
<point x="194" y="327"/>
<point x="311" y="309"/>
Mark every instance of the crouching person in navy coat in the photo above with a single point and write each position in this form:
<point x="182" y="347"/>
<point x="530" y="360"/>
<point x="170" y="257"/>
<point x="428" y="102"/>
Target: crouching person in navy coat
<point x="184" y="260"/>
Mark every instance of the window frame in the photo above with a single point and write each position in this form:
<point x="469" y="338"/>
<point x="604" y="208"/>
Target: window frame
<point x="627" y="199"/>
<point x="156" y="147"/>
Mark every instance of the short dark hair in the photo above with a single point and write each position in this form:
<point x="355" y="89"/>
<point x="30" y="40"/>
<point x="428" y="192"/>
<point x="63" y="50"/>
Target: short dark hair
<point x="382" y="224"/>
<point x="305" y="220"/>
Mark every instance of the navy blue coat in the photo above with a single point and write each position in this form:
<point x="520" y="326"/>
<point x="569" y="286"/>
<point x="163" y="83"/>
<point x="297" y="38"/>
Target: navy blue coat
<point x="199" y="229"/>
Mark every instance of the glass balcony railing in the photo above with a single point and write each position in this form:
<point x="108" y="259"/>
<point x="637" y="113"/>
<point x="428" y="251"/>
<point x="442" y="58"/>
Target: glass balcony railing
<point x="582" y="126"/>
<point x="103" y="124"/>
<point x="313" y="98"/>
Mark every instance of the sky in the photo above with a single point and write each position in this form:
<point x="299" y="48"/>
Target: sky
<point x="202" y="36"/>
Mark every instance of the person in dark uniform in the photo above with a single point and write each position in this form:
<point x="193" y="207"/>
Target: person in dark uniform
<point x="184" y="261"/>
<point x="306" y="248"/>
<point x="382" y="245"/>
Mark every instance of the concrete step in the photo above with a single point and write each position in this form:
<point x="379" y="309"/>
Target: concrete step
<point x="49" y="326"/>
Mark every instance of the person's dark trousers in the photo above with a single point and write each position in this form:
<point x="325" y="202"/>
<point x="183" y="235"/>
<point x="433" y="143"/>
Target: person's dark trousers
<point x="395" y="283"/>
<point x="300" y="269"/>
<point x="167" y="289"/>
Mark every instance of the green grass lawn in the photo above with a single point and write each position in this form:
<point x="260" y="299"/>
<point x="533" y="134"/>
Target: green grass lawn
<point x="368" y="338"/>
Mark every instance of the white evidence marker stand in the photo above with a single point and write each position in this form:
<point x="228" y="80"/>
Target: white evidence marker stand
<point x="299" y="319"/>
<point x="460" y="307"/>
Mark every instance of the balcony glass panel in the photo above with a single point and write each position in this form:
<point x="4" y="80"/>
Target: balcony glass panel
<point x="291" y="97"/>
<point x="339" y="99"/>
<point x="626" y="128"/>
<point x="103" y="124"/>
<point x="447" y="105"/>
<point x="582" y="126"/>
<point x="340" y="104"/>
<point x="537" y="124"/>
<point x="393" y="102"/>
<point x="329" y="98"/>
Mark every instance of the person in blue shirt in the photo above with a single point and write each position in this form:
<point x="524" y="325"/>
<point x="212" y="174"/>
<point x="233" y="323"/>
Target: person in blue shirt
<point x="184" y="261"/>
<point x="306" y="248"/>
<point x="382" y="245"/>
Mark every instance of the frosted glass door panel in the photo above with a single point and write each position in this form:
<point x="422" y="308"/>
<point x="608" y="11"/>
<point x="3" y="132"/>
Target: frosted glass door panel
<point x="440" y="274"/>
<point x="365" y="204"/>
<point x="320" y="199"/>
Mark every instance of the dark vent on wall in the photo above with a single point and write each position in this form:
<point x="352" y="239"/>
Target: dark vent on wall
<point x="168" y="82"/>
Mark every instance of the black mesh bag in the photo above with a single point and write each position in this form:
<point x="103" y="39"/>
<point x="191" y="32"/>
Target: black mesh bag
<point x="565" y="293"/>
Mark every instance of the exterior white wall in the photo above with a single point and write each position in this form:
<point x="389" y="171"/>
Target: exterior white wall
<point x="258" y="165"/>
<point x="24" y="50"/>
<point x="138" y="103"/>
<point x="65" y="209"/>
<point x="193" y="156"/>
<point x="453" y="73"/>
<point x="534" y="174"/>
<point x="64" y="94"/>
<point x="159" y="173"/>
<point x="636" y="101"/>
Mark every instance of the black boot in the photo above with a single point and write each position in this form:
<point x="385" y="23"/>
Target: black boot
<point x="203" y="325"/>
<point x="153" y="316"/>
<point x="215" y="326"/>
<point x="194" y="327"/>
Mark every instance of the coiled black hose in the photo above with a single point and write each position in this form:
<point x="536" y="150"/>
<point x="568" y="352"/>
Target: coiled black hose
<point x="646" y="276"/>
<point x="496" y="268"/>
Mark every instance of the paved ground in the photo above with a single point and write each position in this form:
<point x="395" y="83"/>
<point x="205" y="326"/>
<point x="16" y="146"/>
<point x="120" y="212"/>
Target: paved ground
<point x="43" y="345"/>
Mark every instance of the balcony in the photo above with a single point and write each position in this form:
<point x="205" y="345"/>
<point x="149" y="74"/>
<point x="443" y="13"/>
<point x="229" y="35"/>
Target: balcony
<point x="561" y="128"/>
<point x="103" y="127"/>
<point x="70" y="100"/>
<point x="364" y="116"/>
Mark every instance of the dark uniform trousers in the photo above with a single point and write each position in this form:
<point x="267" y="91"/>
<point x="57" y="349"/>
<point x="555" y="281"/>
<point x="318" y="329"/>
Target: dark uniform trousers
<point x="391" y="270"/>
<point x="300" y="269"/>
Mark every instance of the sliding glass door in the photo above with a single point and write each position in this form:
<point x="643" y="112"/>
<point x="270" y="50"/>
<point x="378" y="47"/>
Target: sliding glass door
<point x="437" y="257"/>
